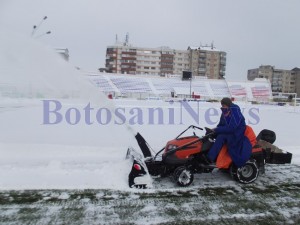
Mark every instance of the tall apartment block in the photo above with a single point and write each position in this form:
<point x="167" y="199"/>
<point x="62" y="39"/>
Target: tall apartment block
<point x="296" y="72"/>
<point x="207" y="61"/>
<point x="204" y="61"/>
<point x="285" y="81"/>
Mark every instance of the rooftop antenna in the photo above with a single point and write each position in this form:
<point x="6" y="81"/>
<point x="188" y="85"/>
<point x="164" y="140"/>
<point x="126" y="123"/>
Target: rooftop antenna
<point x="116" y="38"/>
<point x="127" y="39"/>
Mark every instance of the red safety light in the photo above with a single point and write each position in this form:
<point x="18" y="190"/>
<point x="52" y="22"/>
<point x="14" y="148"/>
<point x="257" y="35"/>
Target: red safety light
<point x="137" y="167"/>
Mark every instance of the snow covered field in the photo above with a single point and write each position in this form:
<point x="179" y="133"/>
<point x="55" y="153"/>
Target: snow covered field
<point x="65" y="156"/>
<point x="63" y="146"/>
<point x="59" y="172"/>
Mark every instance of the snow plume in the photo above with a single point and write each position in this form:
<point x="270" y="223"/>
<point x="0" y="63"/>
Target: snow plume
<point x="31" y="73"/>
<point x="32" y="70"/>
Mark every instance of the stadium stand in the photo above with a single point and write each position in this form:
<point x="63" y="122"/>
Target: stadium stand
<point x="103" y="83"/>
<point x="237" y="91"/>
<point x="260" y="91"/>
<point x="143" y="86"/>
<point x="128" y="85"/>
<point x="219" y="88"/>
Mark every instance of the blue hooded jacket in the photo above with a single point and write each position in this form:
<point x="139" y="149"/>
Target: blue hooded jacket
<point x="234" y="126"/>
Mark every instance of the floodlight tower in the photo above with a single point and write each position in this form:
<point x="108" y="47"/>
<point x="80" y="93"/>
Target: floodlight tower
<point x="48" y="32"/>
<point x="36" y="27"/>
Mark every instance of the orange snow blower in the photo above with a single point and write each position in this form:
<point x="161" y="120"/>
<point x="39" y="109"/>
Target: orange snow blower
<point x="183" y="156"/>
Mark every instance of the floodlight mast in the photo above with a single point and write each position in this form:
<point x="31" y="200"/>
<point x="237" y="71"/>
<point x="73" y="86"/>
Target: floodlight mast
<point x="48" y="32"/>
<point x="36" y="27"/>
<point x="191" y="78"/>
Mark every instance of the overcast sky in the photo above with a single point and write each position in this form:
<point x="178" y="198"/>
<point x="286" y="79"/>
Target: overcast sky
<point x="252" y="32"/>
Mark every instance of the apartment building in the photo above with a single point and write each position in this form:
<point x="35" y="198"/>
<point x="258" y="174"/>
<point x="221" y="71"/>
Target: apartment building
<point x="207" y="61"/>
<point x="296" y="73"/>
<point x="281" y="80"/>
<point x="264" y="71"/>
<point x="202" y="61"/>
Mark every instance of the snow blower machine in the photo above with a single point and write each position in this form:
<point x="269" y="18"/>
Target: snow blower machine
<point x="183" y="156"/>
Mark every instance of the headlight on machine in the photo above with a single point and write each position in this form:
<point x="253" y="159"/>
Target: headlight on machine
<point x="171" y="147"/>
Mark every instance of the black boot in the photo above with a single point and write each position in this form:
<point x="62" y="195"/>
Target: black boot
<point x="207" y="160"/>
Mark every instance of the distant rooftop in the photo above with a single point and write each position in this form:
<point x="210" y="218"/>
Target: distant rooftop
<point x="205" y="48"/>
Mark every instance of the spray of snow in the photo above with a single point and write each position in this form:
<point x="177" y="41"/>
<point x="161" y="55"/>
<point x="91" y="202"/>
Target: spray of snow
<point x="31" y="70"/>
<point x="49" y="155"/>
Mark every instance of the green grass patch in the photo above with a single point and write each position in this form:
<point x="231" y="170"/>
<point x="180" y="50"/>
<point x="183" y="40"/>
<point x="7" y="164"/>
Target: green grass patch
<point x="240" y="205"/>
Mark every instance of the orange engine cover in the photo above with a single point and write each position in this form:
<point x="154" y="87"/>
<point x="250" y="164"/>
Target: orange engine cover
<point x="188" y="150"/>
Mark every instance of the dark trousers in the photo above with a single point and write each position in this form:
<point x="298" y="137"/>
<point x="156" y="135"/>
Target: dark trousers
<point x="217" y="146"/>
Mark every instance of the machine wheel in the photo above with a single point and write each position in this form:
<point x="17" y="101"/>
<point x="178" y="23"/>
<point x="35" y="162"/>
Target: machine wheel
<point x="183" y="176"/>
<point x="246" y="174"/>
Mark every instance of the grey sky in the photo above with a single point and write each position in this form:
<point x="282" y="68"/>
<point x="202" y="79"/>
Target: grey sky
<point x="252" y="32"/>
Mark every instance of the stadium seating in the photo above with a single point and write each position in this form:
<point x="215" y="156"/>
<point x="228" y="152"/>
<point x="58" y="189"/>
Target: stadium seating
<point x="136" y="85"/>
<point x="168" y="86"/>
